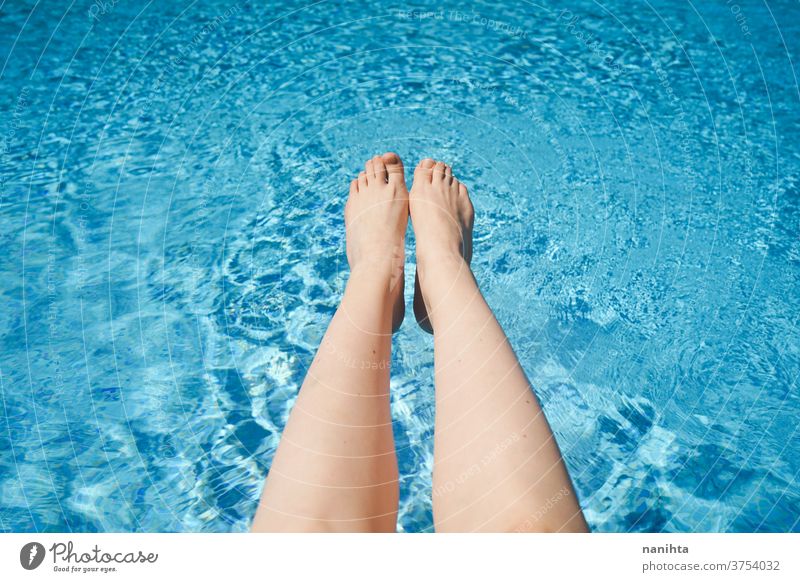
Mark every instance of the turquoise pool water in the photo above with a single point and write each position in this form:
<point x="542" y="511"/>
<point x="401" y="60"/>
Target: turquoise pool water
<point x="172" y="183"/>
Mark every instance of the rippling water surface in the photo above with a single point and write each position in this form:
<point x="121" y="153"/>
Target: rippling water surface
<point x="173" y="179"/>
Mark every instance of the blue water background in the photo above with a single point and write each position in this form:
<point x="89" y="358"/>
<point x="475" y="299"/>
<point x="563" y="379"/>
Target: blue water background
<point x="173" y="177"/>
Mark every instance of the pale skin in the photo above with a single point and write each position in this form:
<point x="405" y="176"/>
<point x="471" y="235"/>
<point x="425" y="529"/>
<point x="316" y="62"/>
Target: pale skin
<point x="497" y="466"/>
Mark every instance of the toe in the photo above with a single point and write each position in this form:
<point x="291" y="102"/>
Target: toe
<point x="362" y="180"/>
<point x="369" y="168"/>
<point x="353" y="187"/>
<point x="448" y="174"/>
<point x="438" y="171"/>
<point x="394" y="167"/>
<point x="380" y="169"/>
<point x="424" y="170"/>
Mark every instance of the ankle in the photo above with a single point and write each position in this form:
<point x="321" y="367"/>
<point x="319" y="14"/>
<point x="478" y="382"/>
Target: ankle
<point x="440" y="261"/>
<point x="438" y="273"/>
<point x="379" y="261"/>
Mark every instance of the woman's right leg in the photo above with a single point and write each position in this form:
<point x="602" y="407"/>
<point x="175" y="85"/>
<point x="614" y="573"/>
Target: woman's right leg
<point x="497" y="466"/>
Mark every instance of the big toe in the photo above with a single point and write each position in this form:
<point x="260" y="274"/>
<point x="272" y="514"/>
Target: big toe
<point x="394" y="168"/>
<point x="424" y="170"/>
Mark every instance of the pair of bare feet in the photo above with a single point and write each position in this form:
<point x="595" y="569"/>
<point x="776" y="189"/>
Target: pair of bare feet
<point x="496" y="464"/>
<point x="376" y="219"/>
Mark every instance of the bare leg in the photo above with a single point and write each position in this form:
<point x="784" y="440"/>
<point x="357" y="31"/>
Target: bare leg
<point x="497" y="466"/>
<point x="336" y="468"/>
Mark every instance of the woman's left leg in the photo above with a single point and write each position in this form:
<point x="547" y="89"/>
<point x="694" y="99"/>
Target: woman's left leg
<point x="336" y="467"/>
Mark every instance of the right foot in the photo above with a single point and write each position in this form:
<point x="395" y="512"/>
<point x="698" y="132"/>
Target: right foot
<point x="442" y="215"/>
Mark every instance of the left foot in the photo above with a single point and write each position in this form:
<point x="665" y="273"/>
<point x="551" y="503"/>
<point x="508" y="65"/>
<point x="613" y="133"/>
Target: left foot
<point x="376" y="218"/>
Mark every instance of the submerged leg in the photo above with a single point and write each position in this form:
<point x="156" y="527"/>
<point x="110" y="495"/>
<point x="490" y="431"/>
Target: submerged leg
<point x="336" y="468"/>
<point x="497" y="466"/>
